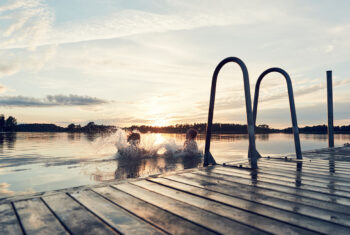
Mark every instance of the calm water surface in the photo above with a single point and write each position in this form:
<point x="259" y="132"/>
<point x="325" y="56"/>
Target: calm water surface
<point x="35" y="162"/>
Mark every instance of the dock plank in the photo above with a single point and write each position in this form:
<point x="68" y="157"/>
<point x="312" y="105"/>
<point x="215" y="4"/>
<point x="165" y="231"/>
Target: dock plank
<point x="261" y="178"/>
<point x="286" y="216"/>
<point x="114" y="215"/>
<point x="308" y="168"/>
<point x="315" y="173"/>
<point x="36" y="218"/>
<point x="244" y="217"/>
<point x="330" y="182"/>
<point x="315" y="164"/>
<point x="76" y="218"/>
<point x="259" y="194"/>
<point x="295" y="179"/>
<point x="204" y="218"/>
<point x="280" y="188"/>
<point x="8" y="220"/>
<point x="160" y="218"/>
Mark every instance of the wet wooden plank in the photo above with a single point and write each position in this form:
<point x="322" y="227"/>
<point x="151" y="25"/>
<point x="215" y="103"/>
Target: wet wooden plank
<point x="307" y="167"/>
<point x="160" y="218"/>
<point x="281" y="188"/>
<point x="36" y="218"/>
<point x="238" y="173"/>
<point x="341" y="158"/>
<point x="8" y="220"/>
<point x="204" y="218"/>
<point x="115" y="216"/>
<point x="75" y="217"/>
<point x="244" y="217"/>
<point x="314" y="224"/>
<point x="304" y="176"/>
<point x="297" y="180"/>
<point x="265" y="196"/>
<point x="313" y="164"/>
<point x="338" y="180"/>
<point x="316" y="173"/>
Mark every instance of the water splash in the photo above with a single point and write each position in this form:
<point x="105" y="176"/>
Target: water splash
<point x="151" y="145"/>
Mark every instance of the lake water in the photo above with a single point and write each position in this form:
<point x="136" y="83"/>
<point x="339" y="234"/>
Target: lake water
<point x="36" y="162"/>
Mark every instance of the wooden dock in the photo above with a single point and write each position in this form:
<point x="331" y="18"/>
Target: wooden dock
<point x="283" y="196"/>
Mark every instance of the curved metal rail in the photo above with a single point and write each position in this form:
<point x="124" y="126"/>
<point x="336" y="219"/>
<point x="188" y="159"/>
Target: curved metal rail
<point x="208" y="158"/>
<point x="291" y="105"/>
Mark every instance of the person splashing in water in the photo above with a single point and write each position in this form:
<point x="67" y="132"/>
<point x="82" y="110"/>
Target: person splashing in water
<point x="133" y="150"/>
<point x="190" y="144"/>
<point x="134" y="139"/>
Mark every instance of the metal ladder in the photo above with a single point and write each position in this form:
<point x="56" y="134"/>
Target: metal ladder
<point x="253" y="154"/>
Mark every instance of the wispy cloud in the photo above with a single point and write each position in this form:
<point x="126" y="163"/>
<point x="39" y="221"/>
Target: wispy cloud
<point x="3" y="88"/>
<point x="50" y="101"/>
<point x="22" y="60"/>
<point x="31" y="22"/>
<point x="25" y="23"/>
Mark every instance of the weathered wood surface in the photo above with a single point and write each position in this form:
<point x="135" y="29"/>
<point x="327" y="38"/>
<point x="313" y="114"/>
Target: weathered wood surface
<point x="8" y="220"/>
<point x="284" y="196"/>
<point x="37" y="218"/>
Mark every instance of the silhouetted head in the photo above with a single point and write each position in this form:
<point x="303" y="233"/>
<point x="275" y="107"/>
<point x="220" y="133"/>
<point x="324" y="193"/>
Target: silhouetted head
<point x="134" y="138"/>
<point x="191" y="134"/>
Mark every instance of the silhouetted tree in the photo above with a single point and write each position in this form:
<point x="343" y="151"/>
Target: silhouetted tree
<point x="90" y="124"/>
<point x="10" y="124"/>
<point x="71" y="127"/>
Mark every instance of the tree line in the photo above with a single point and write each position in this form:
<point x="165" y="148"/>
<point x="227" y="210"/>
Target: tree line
<point x="91" y="127"/>
<point x="230" y="128"/>
<point x="10" y="125"/>
<point x="319" y="129"/>
<point x="223" y="128"/>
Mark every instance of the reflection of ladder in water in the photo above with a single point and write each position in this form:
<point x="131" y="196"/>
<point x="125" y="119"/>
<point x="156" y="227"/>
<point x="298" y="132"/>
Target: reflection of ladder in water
<point x="253" y="154"/>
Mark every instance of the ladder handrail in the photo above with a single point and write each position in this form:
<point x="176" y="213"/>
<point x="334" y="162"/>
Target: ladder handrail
<point x="208" y="158"/>
<point x="291" y="105"/>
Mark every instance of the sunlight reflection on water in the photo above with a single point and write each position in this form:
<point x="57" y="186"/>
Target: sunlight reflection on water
<point x="35" y="162"/>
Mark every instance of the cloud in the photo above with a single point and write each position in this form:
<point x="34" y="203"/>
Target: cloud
<point x="22" y="60"/>
<point x="32" y="22"/>
<point x="50" y="101"/>
<point x="7" y="69"/>
<point x="25" y="23"/>
<point x="3" y="88"/>
<point x="12" y="5"/>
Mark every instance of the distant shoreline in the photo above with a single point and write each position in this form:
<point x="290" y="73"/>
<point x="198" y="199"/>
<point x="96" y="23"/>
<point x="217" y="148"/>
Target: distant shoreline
<point x="217" y="128"/>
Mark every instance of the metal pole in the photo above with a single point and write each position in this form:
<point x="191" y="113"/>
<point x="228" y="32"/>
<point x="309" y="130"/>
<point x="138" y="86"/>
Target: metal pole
<point x="291" y="105"/>
<point x="208" y="158"/>
<point x="330" y="109"/>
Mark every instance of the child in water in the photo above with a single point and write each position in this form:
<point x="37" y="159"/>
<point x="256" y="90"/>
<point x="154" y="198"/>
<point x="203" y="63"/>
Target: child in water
<point x="134" y="139"/>
<point x="133" y="149"/>
<point x="190" y="144"/>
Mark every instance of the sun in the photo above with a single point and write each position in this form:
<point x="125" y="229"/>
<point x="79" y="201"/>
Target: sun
<point x="160" y="122"/>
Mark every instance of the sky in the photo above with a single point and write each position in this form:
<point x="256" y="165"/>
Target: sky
<point x="125" y="62"/>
